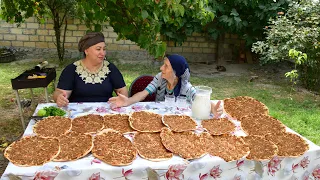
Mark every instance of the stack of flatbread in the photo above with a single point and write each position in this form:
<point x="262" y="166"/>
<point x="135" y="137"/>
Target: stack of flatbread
<point x="118" y="122"/>
<point x="227" y="147"/>
<point x="113" y="148"/>
<point x="74" y="146"/>
<point x="289" y="144"/>
<point x="91" y="124"/>
<point x="179" y="123"/>
<point x="243" y="105"/>
<point x="186" y="144"/>
<point x="218" y="126"/>
<point x="32" y="151"/>
<point x="261" y="125"/>
<point x="150" y="147"/>
<point x="53" y="126"/>
<point x="260" y="148"/>
<point x="144" y="121"/>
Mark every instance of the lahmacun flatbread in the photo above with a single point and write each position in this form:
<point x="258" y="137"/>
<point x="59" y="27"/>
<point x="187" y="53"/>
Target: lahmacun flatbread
<point x="74" y="146"/>
<point x="218" y="126"/>
<point x="113" y="148"/>
<point x="52" y="126"/>
<point x="186" y="144"/>
<point x="118" y="122"/>
<point x="32" y="151"/>
<point x="150" y="147"/>
<point x="243" y="105"/>
<point x="179" y="123"/>
<point x="261" y="124"/>
<point x="260" y="148"/>
<point x="144" y="121"/>
<point x="289" y="144"/>
<point x="227" y="147"/>
<point x="91" y="124"/>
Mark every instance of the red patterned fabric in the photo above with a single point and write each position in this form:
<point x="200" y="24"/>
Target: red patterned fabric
<point x="139" y="84"/>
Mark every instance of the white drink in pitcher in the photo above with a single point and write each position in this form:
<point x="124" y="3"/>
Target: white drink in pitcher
<point x="201" y="105"/>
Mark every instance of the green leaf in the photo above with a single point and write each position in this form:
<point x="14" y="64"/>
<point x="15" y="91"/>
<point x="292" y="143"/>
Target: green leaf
<point x="144" y="14"/>
<point x="181" y="9"/>
<point x="234" y="12"/>
<point x="97" y="27"/>
<point x="114" y="1"/>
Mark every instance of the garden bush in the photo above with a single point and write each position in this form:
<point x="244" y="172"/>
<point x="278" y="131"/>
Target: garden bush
<point x="299" y="29"/>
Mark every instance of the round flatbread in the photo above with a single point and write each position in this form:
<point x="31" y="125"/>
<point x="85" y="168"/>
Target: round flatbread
<point x="32" y="151"/>
<point x="260" y="148"/>
<point x="243" y="105"/>
<point x="179" y="123"/>
<point x="289" y="144"/>
<point x="186" y="144"/>
<point x="261" y="124"/>
<point x="118" y="122"/>
<point x="144" y="121"/>
<point x="52" y="126"/>
<point x="113" y="148"/>
<point x="91" y="123"/>
<point x="150" y="147"/>
<point x="74" y="146"/>
<point x="227" y="147"/>
<point x="218" y="126"/>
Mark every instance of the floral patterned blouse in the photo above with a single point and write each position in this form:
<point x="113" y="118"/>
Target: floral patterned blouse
<point x="90" y="87"/>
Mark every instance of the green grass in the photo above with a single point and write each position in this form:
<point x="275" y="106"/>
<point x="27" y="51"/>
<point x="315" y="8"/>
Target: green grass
<point x="299" y="111"/>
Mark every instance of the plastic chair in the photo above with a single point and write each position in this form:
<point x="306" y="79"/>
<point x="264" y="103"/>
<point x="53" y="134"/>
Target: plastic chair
<point x="139" y="84"/>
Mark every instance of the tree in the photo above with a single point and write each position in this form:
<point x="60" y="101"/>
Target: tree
<point x="246" y="18"/>
<point x="146" y="22"/>
<point x="16" y="11"/>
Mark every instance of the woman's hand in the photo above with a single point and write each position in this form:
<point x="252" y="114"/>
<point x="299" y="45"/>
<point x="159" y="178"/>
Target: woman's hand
<point x="216" y="110"/>
<point x="62" y="99"/>
<point x="119" y="101"/>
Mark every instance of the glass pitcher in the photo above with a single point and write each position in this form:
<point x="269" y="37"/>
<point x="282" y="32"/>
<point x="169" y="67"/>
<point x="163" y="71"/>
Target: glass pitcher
<point x="201" y="105"/>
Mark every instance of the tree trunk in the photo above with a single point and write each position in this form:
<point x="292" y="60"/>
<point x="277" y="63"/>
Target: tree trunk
<point x="219" y="55"/>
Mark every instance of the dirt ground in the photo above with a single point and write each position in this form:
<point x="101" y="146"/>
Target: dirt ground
<point x="200" y="70"/>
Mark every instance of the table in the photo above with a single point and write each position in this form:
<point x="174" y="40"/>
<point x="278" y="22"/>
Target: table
<point x="22" y="82"/>
<point x="208" y="167"/>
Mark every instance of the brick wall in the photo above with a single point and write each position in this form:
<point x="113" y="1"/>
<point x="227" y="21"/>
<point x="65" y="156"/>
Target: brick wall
<point x="38" y="40"/>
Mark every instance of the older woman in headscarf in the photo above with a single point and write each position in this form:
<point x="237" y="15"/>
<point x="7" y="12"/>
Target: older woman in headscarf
<point x="91" y="79"/>
<point x="172" y="80"/>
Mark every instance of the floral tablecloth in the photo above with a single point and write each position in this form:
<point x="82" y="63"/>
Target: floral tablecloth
<point x="208" y="167"/>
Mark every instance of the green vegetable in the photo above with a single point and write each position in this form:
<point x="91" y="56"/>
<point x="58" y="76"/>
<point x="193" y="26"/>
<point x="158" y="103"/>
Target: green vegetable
<point x="53" y="111"/>
<point x="42" y="112"/>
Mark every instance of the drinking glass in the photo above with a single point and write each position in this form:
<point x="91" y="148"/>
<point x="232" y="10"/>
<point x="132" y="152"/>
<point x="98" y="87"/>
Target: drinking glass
<point x="170" y="100"/>
<point x="182" y="102"/>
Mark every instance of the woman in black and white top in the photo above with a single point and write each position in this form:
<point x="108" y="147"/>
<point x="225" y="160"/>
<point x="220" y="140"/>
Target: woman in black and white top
<point x="173" y="79"/>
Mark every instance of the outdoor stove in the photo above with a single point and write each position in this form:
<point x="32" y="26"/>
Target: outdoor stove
<point x="33" y="79"/>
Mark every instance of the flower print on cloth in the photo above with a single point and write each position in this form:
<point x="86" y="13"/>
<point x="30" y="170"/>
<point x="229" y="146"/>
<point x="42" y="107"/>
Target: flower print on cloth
<point x="101" y="109"/>
<point x="274" y="165"/>
<point x="316" y="172"/>
<point x="90" y="77"/>
<point x="175" y="172"/>
<point x="305" y="162"/>
<point x="215" y="172"/>
<point x="95" y="161"/>
<point x="239" y="163"/>
<point x="96" y="176"/>
<point x="203" y="176"/>
<point x="305" y="175"/>
<point x="125" y="174"/>
<point x="46" y="175"/>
